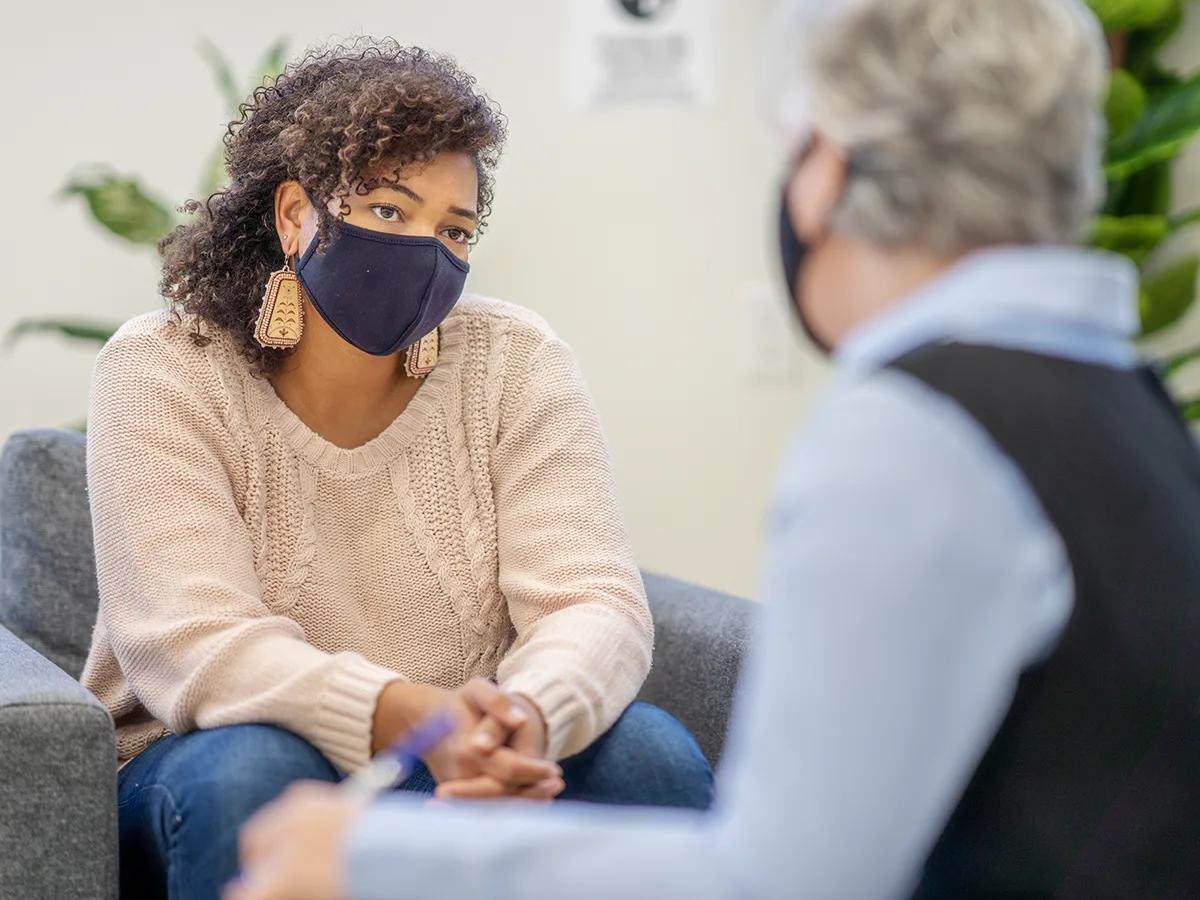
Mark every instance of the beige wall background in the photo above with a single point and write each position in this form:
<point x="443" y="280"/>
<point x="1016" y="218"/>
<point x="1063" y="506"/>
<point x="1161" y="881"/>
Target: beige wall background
<point x="639" y="233"/>
<point x="635" y="232"/>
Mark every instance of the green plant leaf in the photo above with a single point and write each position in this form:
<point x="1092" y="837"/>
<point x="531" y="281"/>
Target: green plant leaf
<point x="271" y="64"/>
<point x="215" y="177"/>
<point x="1126" y="15"/>
<point x="1126" y="103"/>
<point x="1171" y="119"/>
<point x="1173" y="364"/>
<point x="1114" y="197"/>
<point x="1148" y="193"/>
<point x="122" y="206"/>
<point x="1167" y="295"/>
<point x="1142" y="46"/>
<point x="1132" y="236"/>
<point x="1190" y="410"/>
<point x="74" y="329"/>
<point x="1183" y="220"/>
<point x="1154" y="78"/>
<point x="223" y="73"/>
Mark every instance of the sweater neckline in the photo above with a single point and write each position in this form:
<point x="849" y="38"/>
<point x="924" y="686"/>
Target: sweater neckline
<point x="382" y="449"/>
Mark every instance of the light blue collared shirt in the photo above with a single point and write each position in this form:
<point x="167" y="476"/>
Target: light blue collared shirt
<point x="911" y="577"/>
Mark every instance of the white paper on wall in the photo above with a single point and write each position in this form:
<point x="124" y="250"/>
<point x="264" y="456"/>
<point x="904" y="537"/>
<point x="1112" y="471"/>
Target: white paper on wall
<point x="633" y="52"/>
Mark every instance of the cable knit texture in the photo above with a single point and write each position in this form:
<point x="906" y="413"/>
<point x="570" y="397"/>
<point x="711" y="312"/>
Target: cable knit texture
<point x="250" y="571"/>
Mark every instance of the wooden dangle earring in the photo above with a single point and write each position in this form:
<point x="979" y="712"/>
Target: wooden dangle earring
<point x="281" y="319"/>
<point x="422" y="356"/>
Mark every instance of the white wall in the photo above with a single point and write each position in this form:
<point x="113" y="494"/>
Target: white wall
<point x="633" y="232"/>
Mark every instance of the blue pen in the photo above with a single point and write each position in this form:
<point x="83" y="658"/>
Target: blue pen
<point x="392" y="766"/>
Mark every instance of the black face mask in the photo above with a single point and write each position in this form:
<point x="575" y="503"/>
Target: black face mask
<point x="793" y="251"/>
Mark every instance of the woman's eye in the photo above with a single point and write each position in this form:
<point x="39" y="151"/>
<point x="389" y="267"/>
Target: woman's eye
<point x="458" y="235"/>
<point x="386" y="213"/>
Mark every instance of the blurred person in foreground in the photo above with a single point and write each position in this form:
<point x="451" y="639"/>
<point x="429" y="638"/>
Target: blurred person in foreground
<point x="332" y="492"/>
<point x="979" y="669"/>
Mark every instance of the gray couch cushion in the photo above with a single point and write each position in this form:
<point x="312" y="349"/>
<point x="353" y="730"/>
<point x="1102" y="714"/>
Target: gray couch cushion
<point x="48" y="594"/>
<point x="700" y="636"/>
<point x="58" y="783"/>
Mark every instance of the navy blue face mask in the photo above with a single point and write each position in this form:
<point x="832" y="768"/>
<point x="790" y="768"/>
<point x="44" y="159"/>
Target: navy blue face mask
<point x="794" y="252"/>
<point x="382" y="292"/>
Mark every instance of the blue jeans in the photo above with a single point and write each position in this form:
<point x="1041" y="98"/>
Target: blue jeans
<point x="183" y="799"/>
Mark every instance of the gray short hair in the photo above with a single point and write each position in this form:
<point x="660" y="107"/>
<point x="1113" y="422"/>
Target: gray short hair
<point x="967" y="122"/>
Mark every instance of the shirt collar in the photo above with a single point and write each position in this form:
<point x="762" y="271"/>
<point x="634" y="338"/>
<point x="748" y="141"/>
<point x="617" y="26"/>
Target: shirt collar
<point x="1059" y="300"/>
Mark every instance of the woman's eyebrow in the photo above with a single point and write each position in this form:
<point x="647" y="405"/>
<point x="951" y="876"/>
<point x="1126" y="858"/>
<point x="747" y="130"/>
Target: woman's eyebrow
<point x="407" y="191"/>
<point x="453" y="210"/>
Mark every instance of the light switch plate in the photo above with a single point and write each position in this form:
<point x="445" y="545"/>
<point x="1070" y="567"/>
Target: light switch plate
<point x="769" y="345"/>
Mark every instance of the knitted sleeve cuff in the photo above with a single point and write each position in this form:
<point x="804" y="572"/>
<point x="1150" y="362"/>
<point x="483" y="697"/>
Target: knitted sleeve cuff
<point x="567" y="731"/>
<point x="345" y="711"/>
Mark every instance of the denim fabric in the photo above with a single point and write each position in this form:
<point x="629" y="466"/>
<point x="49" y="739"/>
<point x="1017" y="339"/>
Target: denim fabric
<point x="646" y="759"/>
<point x="182" y="801"/>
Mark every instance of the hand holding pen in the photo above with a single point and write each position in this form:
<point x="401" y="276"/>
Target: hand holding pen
<point x="392" y="767"/>
<point x="295" y="832"/>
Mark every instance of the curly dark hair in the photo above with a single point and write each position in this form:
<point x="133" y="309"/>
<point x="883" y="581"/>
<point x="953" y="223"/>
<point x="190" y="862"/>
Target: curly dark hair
<point x="329" y="122"/>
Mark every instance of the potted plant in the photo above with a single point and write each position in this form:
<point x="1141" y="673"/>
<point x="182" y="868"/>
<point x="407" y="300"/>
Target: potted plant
<point x="1153" y="114"/>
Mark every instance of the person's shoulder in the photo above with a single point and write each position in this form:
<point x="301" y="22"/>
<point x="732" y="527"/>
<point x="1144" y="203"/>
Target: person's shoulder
<point x="875" y="416"/>
<point x="504" y="316"/>
<point x="858" y="405"/>
<point x="172" y="332"/>
<point x="168" y="346"/>
<point x="149" y="327"/>
<point x="514" y="349"/>
<point x="516" y="343"/>
<point x="886" y="432"/>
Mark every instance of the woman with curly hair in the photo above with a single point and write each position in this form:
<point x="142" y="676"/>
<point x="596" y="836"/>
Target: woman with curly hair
<point x="332" y="493"/>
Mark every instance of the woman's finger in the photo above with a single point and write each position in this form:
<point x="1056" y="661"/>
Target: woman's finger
<point x="512" y="768"/>
<point x="257" y="836"/>
<point x="489" y="734"/>
<point x="481" y="787"/>
<point x="543" y="791"/>
<point x="268" y="827"/>
<point x="490" y="700"/>
<point x="241" y="888"/>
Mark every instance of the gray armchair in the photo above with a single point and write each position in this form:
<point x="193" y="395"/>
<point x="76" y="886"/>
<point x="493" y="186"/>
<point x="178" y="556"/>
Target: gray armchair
<point x="58" y="813"/>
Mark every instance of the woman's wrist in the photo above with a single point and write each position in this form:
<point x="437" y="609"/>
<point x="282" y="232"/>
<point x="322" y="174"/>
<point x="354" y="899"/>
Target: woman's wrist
<point x="537" y="717"/>
<point x="401" y="705"/>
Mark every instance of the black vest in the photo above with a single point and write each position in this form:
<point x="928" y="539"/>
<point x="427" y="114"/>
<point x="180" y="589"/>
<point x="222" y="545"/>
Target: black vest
<point x="1091" y="787"/>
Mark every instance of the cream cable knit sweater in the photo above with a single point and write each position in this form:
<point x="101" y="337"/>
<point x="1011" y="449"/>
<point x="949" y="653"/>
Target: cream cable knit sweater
<point x="250" y="571"/>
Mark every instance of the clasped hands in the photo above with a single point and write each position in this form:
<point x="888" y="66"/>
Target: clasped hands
<point x="497" y="748"/>
<point x="292" y="849"/>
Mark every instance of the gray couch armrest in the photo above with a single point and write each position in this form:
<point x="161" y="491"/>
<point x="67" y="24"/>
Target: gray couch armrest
<point x="58" y="783"/>
<point x="699" y="640"/>
<point x="48" y="595"/>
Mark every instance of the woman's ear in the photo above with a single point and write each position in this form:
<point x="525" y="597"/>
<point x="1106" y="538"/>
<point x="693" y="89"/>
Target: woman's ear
<point x="817" y="189"/>
<point x="291" y="204"/>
